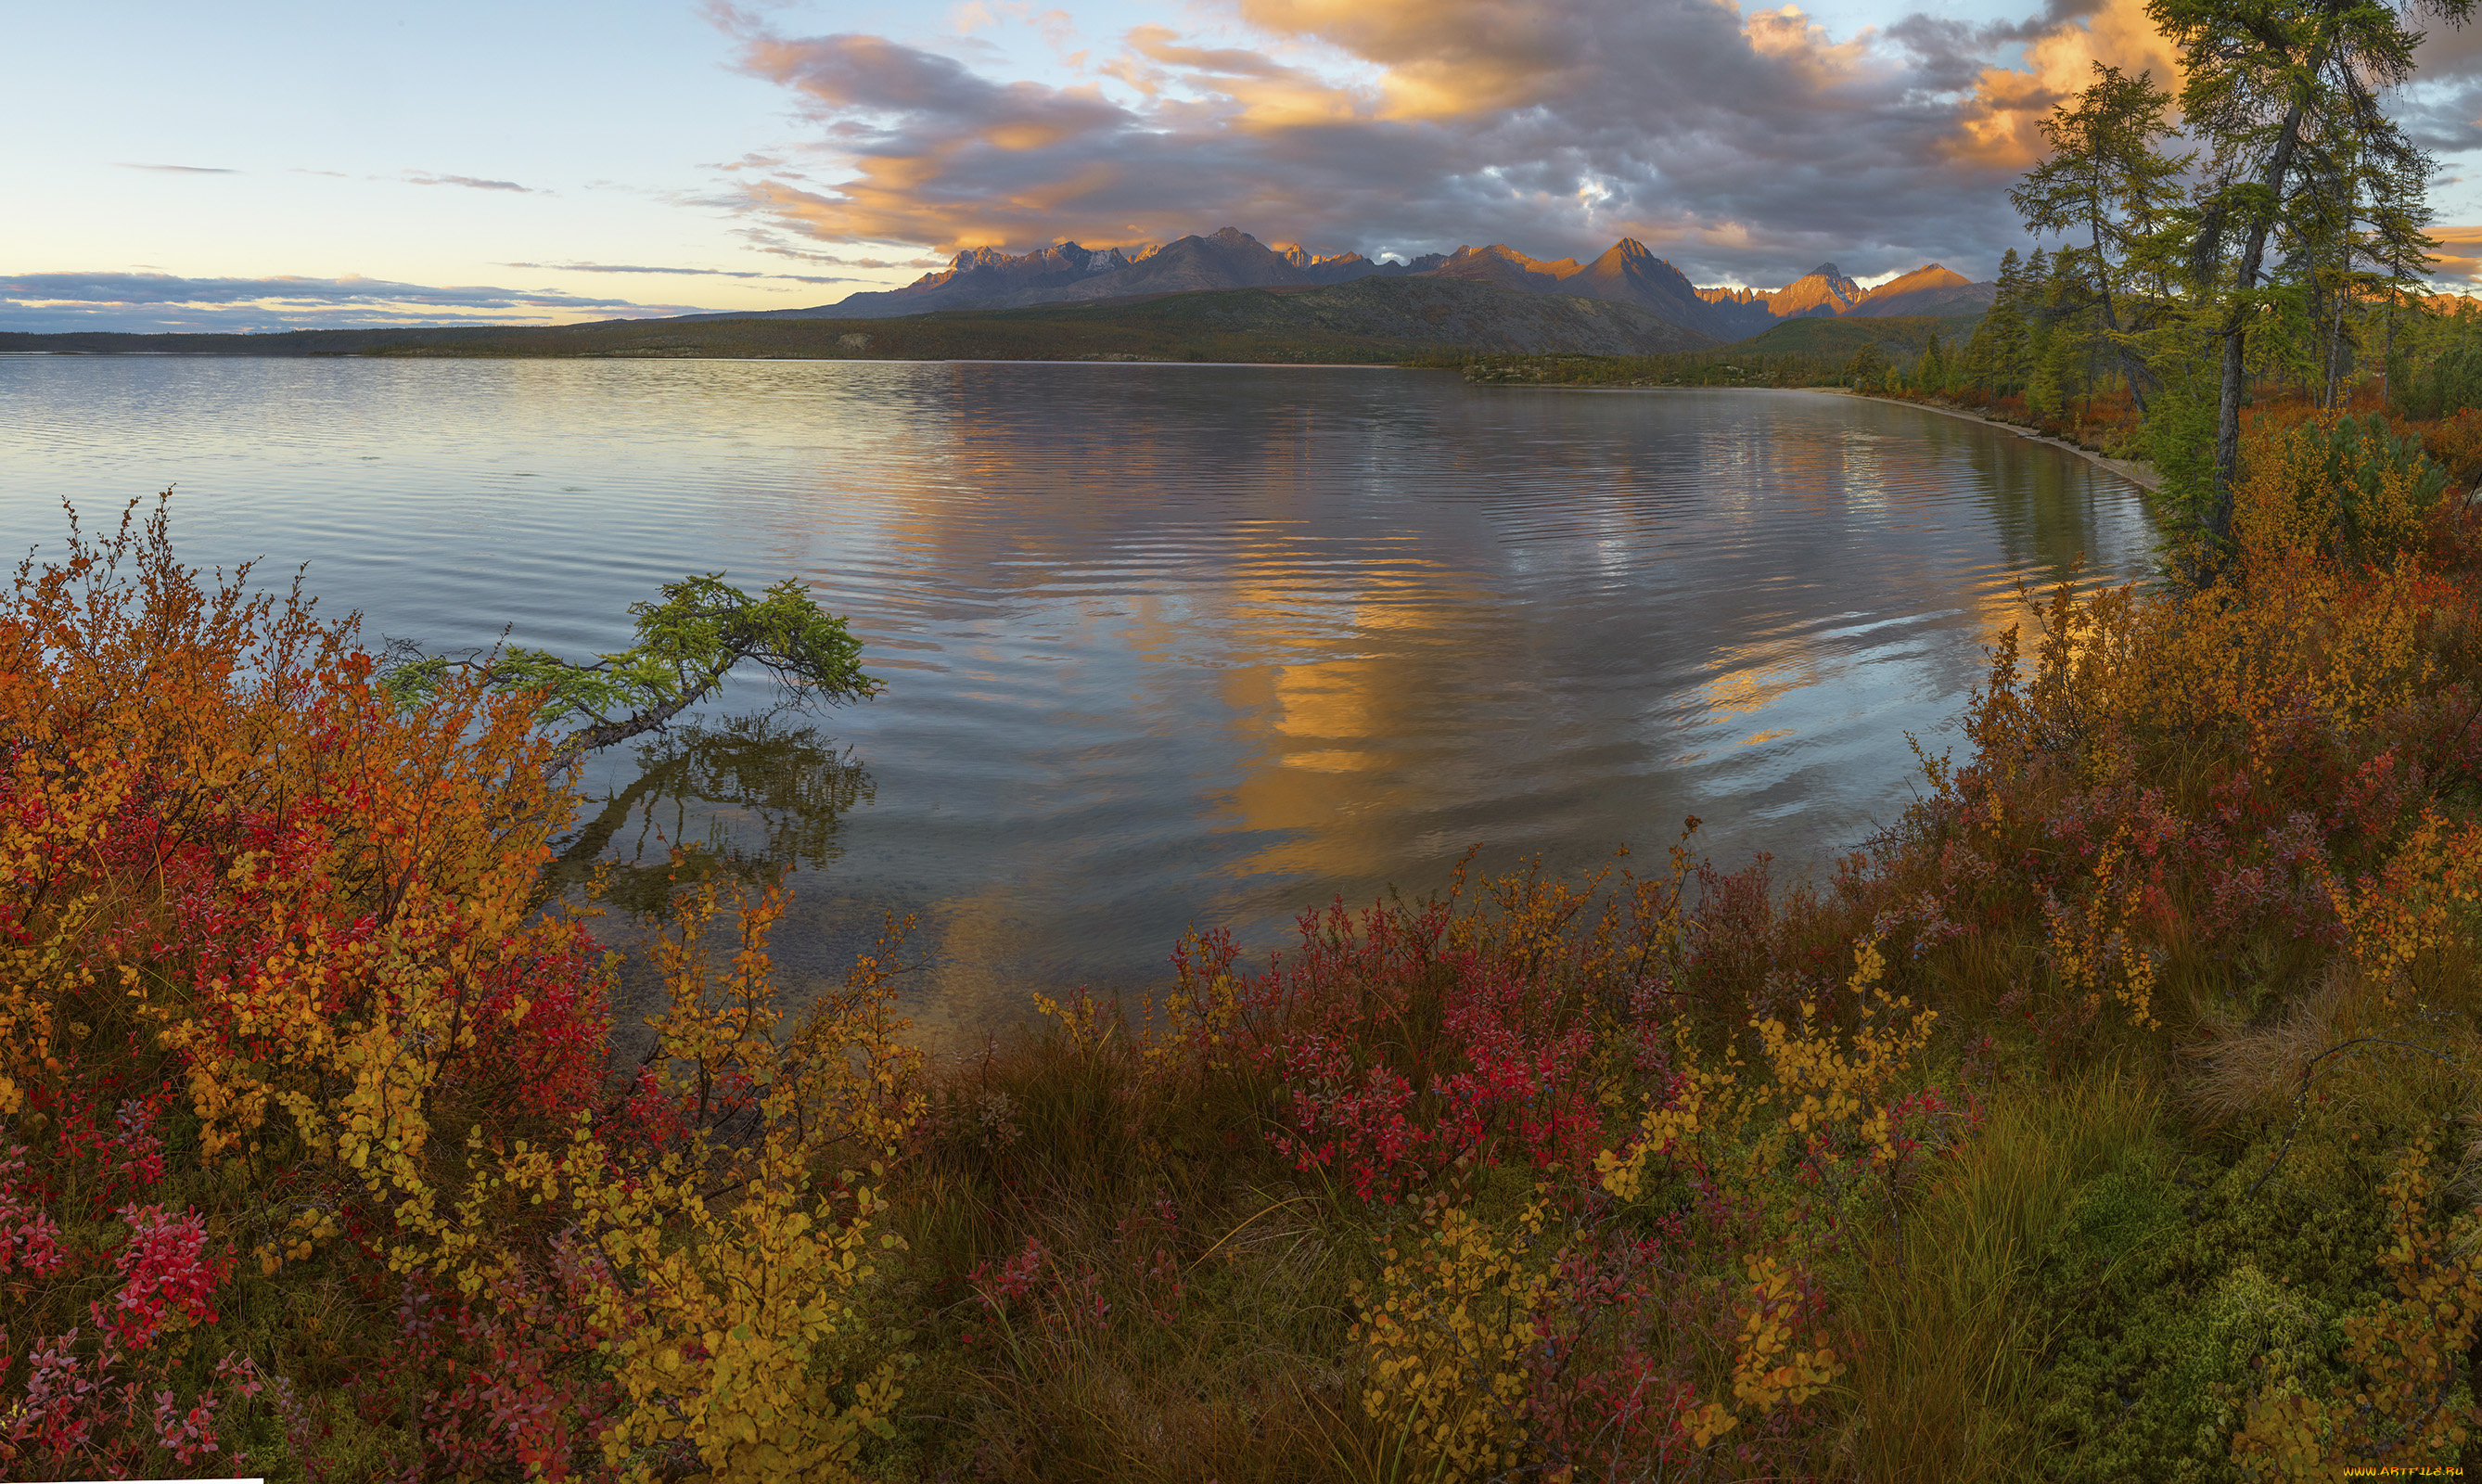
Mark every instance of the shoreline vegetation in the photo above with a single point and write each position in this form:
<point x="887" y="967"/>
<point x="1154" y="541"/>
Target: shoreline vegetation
<point x="2111" y="1116"/>
<point x="2137" y="471"/>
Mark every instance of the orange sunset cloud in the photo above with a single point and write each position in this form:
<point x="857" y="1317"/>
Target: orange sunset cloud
<point x="1745" y="144"/>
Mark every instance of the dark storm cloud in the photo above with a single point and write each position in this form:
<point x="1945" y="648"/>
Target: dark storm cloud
<point x="2442" y="107"/>
<point x="1741" y="146"/>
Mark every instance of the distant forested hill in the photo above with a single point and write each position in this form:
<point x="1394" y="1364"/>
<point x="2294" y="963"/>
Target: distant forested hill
<point x="1896" y="336"/>
<point x="298" y="342"/>
<point x="1370" y="320"/>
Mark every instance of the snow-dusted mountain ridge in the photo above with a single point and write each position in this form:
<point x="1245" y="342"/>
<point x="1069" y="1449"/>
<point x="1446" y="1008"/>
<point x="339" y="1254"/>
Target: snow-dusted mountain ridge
<point x="1628" y="273"/>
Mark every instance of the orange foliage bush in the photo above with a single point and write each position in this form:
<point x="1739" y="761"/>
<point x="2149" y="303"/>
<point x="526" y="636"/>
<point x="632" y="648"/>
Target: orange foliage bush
<point x="272" y="962"/>
<point x="2456" y="441"/>
<point x="312" y="1155"/>
<point x="1766" y="1084"/>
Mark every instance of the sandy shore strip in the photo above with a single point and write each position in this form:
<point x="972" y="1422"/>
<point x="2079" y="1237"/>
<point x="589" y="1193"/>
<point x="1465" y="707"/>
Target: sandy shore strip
<point x="2143" y="475"/>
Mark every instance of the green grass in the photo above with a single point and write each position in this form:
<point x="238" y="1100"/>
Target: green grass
<point x="1951" y="1330"/>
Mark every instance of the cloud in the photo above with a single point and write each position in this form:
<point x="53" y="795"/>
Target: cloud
<point x="715" y="272"/>
<point x="768" y="241"/>
<point x="2002" y="122"/>
<point x="1745" y="147"/>
<point x="719" y="273"/>
<point x="2443" y="109"/>
<point x="1465" y="58"/>
<point x="2459" y="254"/>
<point x="1743" y="142"/>
<point x="129" y="289"/>
<point x="178" y="169"/>
<point x="148" y="302"/>
<point x="425" y="177"/>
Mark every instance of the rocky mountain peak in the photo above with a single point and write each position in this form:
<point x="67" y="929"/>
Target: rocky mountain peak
<point x="1823" y="290"/>
<point x="1628" y="271"/>
<point x="1930" y="289"/>
<point x="1303" y="257"/>
<point x="1928" y="276"/>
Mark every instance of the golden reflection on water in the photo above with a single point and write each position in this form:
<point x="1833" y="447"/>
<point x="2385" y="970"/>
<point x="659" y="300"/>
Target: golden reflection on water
<point x="1750" y="678"/>
<point x="1166" y="644"/>
<point x="1374" y="693"/>
<point x="1324" y="742"/>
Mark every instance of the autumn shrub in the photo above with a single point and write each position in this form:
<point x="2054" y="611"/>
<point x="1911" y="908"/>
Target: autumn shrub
<point x="1404" y="1053"/>
<point x="310" y="1164"/>
<point x="1598" y="1323"/>
<point x="1712" y="1175"/>
<point x="2352" y="482"/>
<point x="2456" y="443"/>
<point x="246" y="903"/>
<point x="2109" y="1116"/>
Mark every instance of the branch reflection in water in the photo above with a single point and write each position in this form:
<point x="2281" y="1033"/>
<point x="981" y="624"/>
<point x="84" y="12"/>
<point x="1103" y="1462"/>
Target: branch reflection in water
<point x="742" y="801"/>
<point x="766" y="798"/>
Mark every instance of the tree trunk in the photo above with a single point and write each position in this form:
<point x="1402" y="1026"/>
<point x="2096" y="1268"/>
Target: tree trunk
<point x="2228" y="445"/>
<point x="2128" y="360"/>
<point x="587" y="739"/>
<point x="2335" y="356"/>
<point x="2227" y="410"/>
<point x="2387" y="354"/>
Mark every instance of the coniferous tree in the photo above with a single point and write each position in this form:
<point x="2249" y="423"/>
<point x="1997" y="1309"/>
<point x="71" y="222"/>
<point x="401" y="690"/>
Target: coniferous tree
<point x="2107" y="181"/>
<point x="2065" y="332"/>
<point x="2264" y="79"/>
<point x="1999" y="345"/>
<point x="2033" y="310"/>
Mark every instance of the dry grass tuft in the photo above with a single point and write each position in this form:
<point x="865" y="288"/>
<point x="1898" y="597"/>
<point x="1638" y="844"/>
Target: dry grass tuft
<point x="2253" y="1072"/>
<point x="2379" y="1063"/>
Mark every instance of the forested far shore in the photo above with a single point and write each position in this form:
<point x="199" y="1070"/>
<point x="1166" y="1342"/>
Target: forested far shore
<point x="1371" y="320"/>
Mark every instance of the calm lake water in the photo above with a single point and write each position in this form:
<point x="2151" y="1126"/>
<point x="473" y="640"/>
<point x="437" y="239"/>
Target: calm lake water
<point x="1166" y="644"/>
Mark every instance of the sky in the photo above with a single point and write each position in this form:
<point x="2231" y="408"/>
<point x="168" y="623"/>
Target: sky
<point x="263" y="167"/>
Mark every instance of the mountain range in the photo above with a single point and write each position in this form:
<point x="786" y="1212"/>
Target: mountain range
<point x="1627" y="273"/>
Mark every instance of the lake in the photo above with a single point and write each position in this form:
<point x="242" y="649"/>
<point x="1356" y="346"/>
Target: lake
<point x="1164" y="644"/>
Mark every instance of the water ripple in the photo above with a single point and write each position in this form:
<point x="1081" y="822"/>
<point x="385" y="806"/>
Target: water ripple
<point x="1166" y="644"/>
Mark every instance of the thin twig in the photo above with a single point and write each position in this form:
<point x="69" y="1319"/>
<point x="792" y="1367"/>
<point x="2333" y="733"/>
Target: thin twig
<point x="2309" y="1066"/>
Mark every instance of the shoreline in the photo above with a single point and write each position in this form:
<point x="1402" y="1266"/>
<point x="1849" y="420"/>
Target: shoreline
<point x="2143" y="475"/>
<point x="871" y="361"/>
